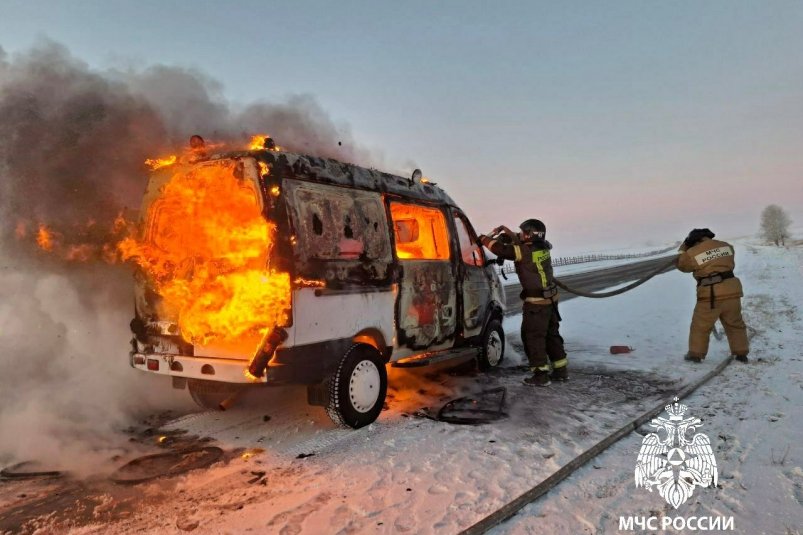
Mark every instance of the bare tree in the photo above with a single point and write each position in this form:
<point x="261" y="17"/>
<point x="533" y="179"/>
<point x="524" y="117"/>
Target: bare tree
<point x="775" y="224"/>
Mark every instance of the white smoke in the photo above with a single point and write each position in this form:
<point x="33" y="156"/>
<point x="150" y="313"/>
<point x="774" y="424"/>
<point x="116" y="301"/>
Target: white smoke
<point x="66" y="389"/>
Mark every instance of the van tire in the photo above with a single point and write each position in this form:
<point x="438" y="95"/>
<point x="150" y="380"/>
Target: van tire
<point x="358" y="387"/>
<point x="210" y="394"/>
<point x="492" y="348"/>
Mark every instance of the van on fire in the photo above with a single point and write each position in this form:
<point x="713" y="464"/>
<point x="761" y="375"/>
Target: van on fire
<point x="268" y="267"/>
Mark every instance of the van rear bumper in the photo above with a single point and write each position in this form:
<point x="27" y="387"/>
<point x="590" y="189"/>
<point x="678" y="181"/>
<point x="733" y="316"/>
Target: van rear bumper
<point x="307" y="364"/>
<point x="210" y="369"/>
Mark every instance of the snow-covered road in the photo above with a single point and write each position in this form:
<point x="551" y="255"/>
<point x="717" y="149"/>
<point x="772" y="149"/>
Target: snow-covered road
<point x="408" y="474"/>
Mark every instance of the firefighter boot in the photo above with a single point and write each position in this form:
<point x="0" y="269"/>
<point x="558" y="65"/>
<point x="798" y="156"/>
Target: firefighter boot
<point x="694" y="357"/>
<point x="539" y="378"/>
<point x="560" y="375"/>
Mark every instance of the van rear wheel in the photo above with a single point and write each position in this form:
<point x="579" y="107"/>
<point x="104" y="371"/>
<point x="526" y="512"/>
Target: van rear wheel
<point x="357" y="388"/>
<point x="492" y="348"/>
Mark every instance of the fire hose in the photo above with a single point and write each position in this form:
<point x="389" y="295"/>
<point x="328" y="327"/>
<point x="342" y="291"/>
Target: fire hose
<point x="671" y="262"/>
<point x="622" y="290"/>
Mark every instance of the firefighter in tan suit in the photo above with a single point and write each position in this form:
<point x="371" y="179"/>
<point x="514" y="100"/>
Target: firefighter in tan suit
<point x="719" y="294"/>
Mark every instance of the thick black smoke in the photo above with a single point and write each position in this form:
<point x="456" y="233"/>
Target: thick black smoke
<point x="73" y="140"/>
<point x="72" y="145"/>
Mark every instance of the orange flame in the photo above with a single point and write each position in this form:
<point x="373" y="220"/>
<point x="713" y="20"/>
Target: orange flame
<point x="247" y="454"/>
<point x="158" y="163"/>
<point x="258" y="143"/>
<point x="206" y="250"/>
<point x="420" y="232"/>
<point x="308" y="283"/>
<point x="78" y="242"/>
<point x="44" y="238"/>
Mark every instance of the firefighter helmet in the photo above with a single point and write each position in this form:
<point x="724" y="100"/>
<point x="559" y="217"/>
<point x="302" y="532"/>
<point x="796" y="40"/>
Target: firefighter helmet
<point x="533" y="227"/>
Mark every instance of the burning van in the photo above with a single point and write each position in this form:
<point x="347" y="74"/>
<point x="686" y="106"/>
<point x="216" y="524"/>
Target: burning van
<point x="268" y="267"/>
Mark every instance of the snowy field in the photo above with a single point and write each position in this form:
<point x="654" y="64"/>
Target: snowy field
<point x="293" y="472"/>
<point x="751" y="413"/>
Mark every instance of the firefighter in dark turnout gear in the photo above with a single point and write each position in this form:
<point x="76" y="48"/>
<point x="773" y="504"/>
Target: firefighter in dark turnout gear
<point x="719" y="294"/>
<point x="540" y="334"/>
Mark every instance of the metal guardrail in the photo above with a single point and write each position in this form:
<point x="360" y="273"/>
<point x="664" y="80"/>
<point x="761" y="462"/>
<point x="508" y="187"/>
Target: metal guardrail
<point x="508" y="267"/>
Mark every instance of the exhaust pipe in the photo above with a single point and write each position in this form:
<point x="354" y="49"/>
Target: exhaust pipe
<point x="228" y="402"/>
<point x="266" y="350"/>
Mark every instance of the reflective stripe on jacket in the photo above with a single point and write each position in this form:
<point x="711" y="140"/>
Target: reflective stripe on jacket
<point x="533" y="264"/>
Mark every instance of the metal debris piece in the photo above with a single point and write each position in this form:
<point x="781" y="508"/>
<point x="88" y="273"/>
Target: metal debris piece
<point x="485" y="407"/>
<point x="26" y="470"/>
<point x="258" y="476"/>
<point x="149" y="467"/>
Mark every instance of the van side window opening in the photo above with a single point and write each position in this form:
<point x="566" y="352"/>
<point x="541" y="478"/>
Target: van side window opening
<point x="338" y="224"/>
<point x="469" y="249"/>
<point x="420" y="232"/>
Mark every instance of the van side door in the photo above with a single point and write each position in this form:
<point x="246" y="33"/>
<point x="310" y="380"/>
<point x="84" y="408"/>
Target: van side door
<point x="475" y="287"/>
<point x="425" y="311"/>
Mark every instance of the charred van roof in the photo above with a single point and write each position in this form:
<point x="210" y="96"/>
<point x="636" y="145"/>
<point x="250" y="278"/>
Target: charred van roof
<point x="329" y="171"/>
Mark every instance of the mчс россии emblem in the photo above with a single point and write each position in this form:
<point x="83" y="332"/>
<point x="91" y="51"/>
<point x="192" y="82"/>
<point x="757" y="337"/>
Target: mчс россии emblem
<point x="675" y="464"/>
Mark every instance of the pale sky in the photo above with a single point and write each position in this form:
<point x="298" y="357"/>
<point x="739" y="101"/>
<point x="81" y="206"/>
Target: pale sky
<point x="617" y="123"/>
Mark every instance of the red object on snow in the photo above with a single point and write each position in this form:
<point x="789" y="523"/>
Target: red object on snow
<point x="616" y="350"/>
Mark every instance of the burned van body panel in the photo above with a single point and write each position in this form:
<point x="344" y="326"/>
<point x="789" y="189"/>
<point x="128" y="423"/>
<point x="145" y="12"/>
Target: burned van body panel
<point x="333" y="172"/>
<point x="427" y="304"/>
<point x="475" y="277"/>
<point x="157" y="227"/>
<point x="476" y="294"/>
<point x="338" y="235"/>
<point x="321" y="314"/>
<point x="146" y="301"/>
